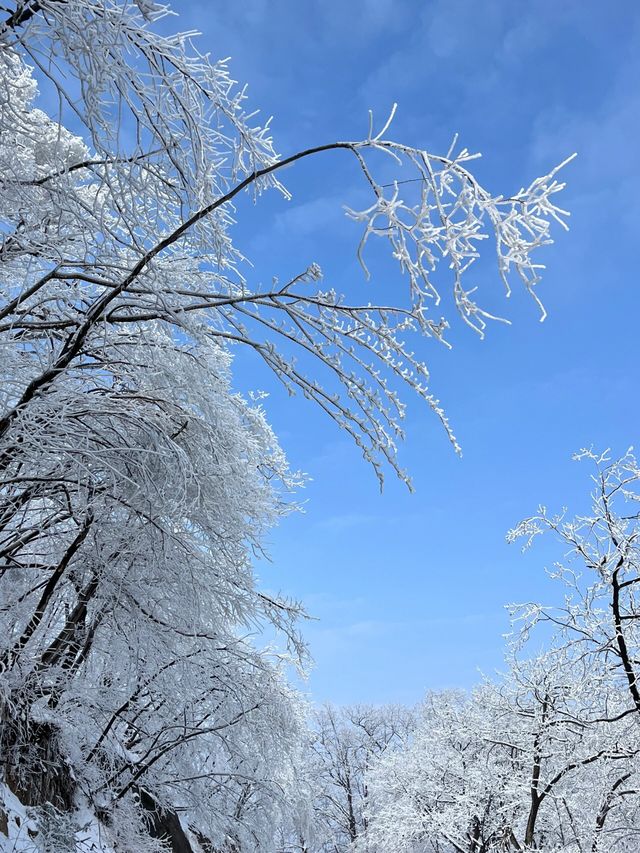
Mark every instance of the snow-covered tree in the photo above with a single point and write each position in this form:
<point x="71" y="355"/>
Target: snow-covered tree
<point x="509" y="767"/>
<point x="134" y="483"/>
<point x="546" y="758"/>
<point x="600" y="571"/>
<point x="345" y="743"/>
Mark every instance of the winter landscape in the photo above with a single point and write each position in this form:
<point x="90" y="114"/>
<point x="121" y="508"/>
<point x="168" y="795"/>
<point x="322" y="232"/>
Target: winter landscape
<point x="313" y="537"/>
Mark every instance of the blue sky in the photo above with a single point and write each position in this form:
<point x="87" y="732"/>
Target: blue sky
<point x="408" y="589"/>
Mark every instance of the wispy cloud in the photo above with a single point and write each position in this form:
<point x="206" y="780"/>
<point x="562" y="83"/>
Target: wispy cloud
<point x="341" y="523"/>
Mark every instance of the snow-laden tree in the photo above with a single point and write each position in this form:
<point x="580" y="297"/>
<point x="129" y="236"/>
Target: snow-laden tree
<point x="450" y="790"/>
<point x="547" y="757"/>
<point x="126" y="580"/>
<point x="134" y="484"/>
<point x="345" y="743"/>
<point x="509" y="767"/>
<point x="447" y="791"/>
<point x="577" y="752"/>
<point x="599" y="568"/>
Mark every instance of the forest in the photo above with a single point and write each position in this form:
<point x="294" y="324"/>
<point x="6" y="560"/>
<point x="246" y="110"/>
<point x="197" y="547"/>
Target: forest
<point x="149" y="678"/>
